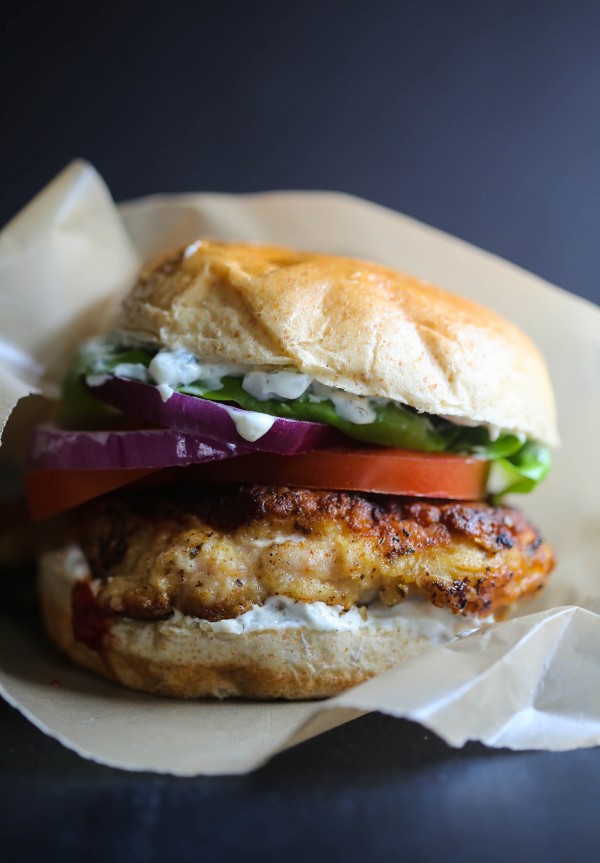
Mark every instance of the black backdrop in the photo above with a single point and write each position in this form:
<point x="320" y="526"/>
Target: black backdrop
<point x="482" y="118"/>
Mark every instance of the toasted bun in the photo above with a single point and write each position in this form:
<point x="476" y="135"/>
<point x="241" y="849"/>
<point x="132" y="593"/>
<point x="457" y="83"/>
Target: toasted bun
<point x="350" y="324"/>
<point x="183" y="660"/>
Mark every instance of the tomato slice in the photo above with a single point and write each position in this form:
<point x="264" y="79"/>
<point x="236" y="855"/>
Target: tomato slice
<point x="368" y="469"/>
<point x="53" y="491"/>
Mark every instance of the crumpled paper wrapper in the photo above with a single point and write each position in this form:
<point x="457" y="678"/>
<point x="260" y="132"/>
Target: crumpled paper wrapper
<point x="527" y="683"/>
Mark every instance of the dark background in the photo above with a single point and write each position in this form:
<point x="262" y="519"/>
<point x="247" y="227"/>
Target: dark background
<point x="480" y="118"/>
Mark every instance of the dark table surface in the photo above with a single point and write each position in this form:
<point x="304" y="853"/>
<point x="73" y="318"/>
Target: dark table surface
<point x="480" y="118"/>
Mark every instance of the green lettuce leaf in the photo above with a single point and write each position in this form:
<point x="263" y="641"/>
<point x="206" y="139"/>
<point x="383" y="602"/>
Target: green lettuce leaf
<point x="394" y="426"/>
<point x="518" y="465"/>
<point x="521" y="472"/>
<point x="79" y="409"/>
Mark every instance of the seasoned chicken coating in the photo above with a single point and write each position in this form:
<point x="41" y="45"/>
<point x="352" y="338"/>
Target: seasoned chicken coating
<point x="215" y="552"/>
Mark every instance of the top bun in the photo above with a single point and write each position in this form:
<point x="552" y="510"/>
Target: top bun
<point x="348" y="323"/>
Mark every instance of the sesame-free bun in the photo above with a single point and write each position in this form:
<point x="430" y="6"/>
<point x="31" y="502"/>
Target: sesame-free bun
<point x="181" y="658"/>
<point x="348" y="323"/>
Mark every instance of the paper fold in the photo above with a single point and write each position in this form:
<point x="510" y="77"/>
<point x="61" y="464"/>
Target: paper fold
<point x="523" y="684"/>
<point x="529" y="682"/>
<point x="63" y="261"/>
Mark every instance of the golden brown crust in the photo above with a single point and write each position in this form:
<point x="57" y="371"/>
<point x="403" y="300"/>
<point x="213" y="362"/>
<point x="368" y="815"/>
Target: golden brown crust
<point x="348" y="323"/>
<point x="215" y="552"/>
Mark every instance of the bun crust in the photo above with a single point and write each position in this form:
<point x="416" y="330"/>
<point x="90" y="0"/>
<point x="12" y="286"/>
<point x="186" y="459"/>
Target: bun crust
<point x="173" y="659"/>
<point x="348" y="323"/>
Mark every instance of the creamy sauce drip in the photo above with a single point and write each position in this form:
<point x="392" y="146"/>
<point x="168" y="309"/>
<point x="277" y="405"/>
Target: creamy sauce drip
<point x="417" y="617"/>
<point x="171" y="369"/>
<point x="249" y="424"/>
<point x="414" y="616"/>
<point x="269" y="385"/>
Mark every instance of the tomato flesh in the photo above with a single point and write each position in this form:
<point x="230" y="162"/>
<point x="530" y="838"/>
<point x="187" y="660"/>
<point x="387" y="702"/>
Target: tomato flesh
<point x="53" y="491"/>
<point x="384" y="471"/>
<point x="367" y="469"/>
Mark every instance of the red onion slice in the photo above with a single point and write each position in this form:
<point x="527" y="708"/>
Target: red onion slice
<point x="214" y="422"/>
<point x="53" y="448"/>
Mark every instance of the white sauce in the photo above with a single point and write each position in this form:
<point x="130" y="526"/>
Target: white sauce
<point x="97" y="380"/>
<point x="354" y="409"/>
<point x="493" y="431"/>
<point x="134" y="371"/>
<point x="96" y="348"/>
<point x="131" y="371"/>
<point x="180" y="368"/>
<point x="269" y="385"/>
<point x="249" y="424"/>
<point x="165" y="391"/>
<point x="175" y="367"/>
<point x="415" y="616"/>
<point x="171" y="369"/>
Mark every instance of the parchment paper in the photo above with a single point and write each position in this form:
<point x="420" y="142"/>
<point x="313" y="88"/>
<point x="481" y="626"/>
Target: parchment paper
<point x="530" y="682"/>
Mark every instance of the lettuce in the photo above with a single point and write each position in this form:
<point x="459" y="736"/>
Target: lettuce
<point x="394" y="426"/>
<point x="518" y="465"/>
<point x="520" y="472"/>
<point x="79" y="409"/>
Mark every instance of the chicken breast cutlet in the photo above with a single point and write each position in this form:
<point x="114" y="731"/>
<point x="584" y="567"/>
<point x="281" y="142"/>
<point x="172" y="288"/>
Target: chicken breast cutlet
<point x="216" y="552"/>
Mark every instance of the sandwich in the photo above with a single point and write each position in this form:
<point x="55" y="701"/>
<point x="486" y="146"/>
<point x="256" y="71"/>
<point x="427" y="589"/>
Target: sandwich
<point x="284" y="473"/>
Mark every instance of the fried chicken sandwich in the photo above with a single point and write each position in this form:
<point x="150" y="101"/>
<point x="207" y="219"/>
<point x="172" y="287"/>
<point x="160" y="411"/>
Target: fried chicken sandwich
<point x="285" y="474"/>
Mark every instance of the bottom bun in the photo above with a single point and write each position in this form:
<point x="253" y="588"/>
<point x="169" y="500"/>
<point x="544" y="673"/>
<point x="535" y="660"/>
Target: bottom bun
<point x="183" y="657"/>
